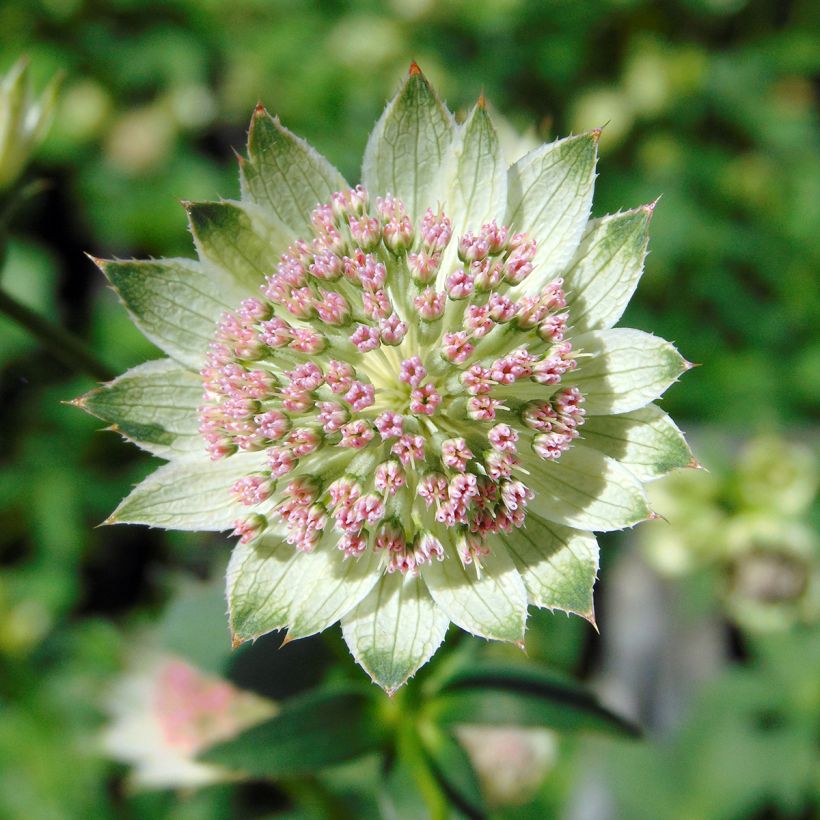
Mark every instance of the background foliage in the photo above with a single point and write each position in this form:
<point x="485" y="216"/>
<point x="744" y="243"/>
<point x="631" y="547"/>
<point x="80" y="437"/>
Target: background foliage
<point x="711" y="103"/>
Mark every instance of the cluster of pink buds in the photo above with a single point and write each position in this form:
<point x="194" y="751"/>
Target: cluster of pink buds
<point x="386" y="408"/>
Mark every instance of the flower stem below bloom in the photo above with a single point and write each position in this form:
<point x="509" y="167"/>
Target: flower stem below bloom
<point x="64" y="345"/>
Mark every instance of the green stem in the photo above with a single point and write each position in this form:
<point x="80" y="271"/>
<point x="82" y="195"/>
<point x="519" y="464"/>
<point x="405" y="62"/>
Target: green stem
<point x="63" y="345"/>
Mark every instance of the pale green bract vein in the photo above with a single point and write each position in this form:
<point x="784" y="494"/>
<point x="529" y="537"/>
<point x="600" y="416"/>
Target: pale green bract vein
<point x="550" y="196"/>
<point x="285" y="175"/>
<point x="621" y="370"/>
<point x="189" y="494"/>
<point x="490" y="601"/>
<point x="585" y="490"/>
<point x="407" y="147"/>
<point x="558" y="565"/>
<point x="154" y="405"/>
<point x="395" y="630"/>
<point x="646" y="441"/>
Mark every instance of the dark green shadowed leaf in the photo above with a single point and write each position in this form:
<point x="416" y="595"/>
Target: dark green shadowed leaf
<point x="508" y="695"/>
<point x="238" y="238"/>
<point x="452" y="770"/>
<point x="319" y="729"/>
<point x="284" y="175"/>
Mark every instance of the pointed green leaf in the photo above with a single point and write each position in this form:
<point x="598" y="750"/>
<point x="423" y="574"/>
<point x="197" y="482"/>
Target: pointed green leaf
<point x="285" y="175"/>
<point x="318" y="729"/>
<point x="272" y="585"/>
<point x="490" y="603"/>
<point x="154" y="405"/>
<point x="189" y="494"/>
<point x="549" y="197"/>
<point x="606" y="269"/>
<point x="408" y="145"/>
<point x="452" y="769"/>
<point x="558" y="565"/>
<point x="477" y="174"/>
<point x="624" y="369"/>
<point x="238" y="238"/>
<point x="645" y="441"/>
<point x="585" y="490"/>
<point x="174" y="302"/>
<point x="516" y="695"/>
<point x="395" y="630"/>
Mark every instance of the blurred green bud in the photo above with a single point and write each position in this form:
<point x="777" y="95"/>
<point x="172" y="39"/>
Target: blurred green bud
<point x="773" y="578"/>
<point x="777" y="475"/>
<point x="24" y="120"/>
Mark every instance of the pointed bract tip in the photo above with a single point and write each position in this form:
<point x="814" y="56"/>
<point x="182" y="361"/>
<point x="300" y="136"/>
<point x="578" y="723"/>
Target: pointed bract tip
<point x="285" y="641"/>
<point x="236" y="642"/>
<point x="694" y="464"/>
<point x="259" y="110"/>
<point x="414" y="71"/>
<point x="521" y="646"/>
<point x="78" y="402"/>
<point x="186" y="203"/>
<point x="95" y="259"/>
<point x="391" y="693"/>
<point x="596" y="133"/>
<point x="589" y="617"/>
<point x="481" y="103"/>
<point x="690" y="365"/>
<point x="112" y="519"/>
<point x="653" y="516"/>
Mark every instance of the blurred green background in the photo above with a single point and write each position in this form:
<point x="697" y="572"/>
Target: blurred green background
<point x="710" y="103"/>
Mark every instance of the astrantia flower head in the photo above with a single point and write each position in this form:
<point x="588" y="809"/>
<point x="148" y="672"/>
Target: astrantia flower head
<point x="405" y="397"/>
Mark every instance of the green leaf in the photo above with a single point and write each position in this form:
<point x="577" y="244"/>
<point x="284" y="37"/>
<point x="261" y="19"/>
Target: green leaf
<point x="411" y="790"/>
<point x="285" y="175"/>
<point x="174" y="302"/>
<point x="558" y="565"/>
<point x="408" y="145"/>
<point x="606" y="269"/>
<point x="514" y="695"/>
<point x="645" y="441"/>
<point x="272" y="585"/>
<point x="238" y="238"/>
<point x="625" y="369"/>
<point x="477" y="186"/>
<point x="189" y="494"/>
<point x="549" y="196"/>
<point x="490" y="602"/>
<point x="451" y="767"/>
<point x="319" y="729"/>
<point x="585" y="490"/>
<point x="395" y="630"/>
<point x="154" y="405"/>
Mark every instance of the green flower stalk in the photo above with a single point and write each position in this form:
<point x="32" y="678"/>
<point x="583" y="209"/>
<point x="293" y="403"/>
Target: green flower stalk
<point x="413" y="401"/>
<point x="24" y="120"/>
